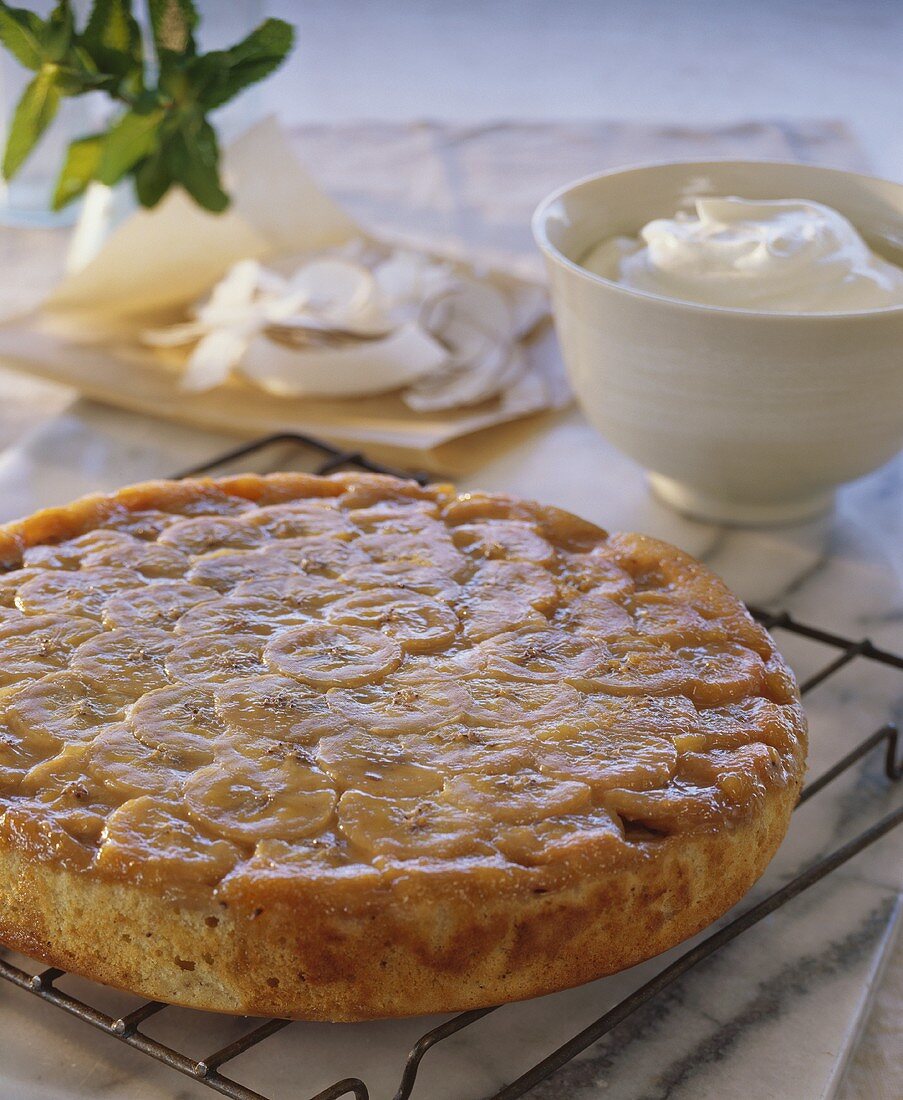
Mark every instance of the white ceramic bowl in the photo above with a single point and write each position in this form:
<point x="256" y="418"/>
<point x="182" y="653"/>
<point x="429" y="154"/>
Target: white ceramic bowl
<point x="739" y="416"/>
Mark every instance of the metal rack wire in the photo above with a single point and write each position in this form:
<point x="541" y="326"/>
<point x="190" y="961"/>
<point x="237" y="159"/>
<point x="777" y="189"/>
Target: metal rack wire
<point x="323" y="459"/>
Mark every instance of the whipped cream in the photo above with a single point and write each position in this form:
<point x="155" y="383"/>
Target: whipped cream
<point x="790" y="256"/>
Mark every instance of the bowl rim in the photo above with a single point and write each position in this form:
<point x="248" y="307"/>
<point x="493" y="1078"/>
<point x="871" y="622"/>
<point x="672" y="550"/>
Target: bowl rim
<point x="539" y="219"/>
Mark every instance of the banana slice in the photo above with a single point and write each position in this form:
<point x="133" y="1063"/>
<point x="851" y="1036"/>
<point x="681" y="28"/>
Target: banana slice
<point x="10" y="583"/>
<point x="71" y="553"/>
<point x="780" y="687"/>
<point x="67" y="706"/>
<point x="478" y="507"/>
<point x="316" y="856"/>
<point x="211" y="660"/>
<point x="327" y="655"/>
<point x="507" y="539"/>
<point x="568" y="532"/>
<point x="517" y="799"/>
<point x="409" y="828"/>
<point x="222" y="570"/>
<point x="129" y="768"/>
<point x="418" y="623"/>
<point x="12" y="616"/>
<point x="246" y="801"/>
<point x="322" y="556"/>
<point x="661" y="618"/>
<point x="69" y="592"/>
<point x="607" y="758"/>
<point x="229" y="615"/>
<point x="594" y="571"/>
<point x="128" y="662"/>
<point x="77" y="800"/>
<point x="155" y="605"/>
<point x="203" y="533"/>
<point x="27" y="824"/>
<point x="406" y="521"/>
<point x="434" y="552"/>
<point x="150" y="559"/>
<point x="602" y="617"/>
<point x="396" y="516"/>
<point x="181" y="721"/>
<point x="458" y="748"/>
<point x="709" y="678"/>
<point x="301" y="519"/>
<point x="705" y="790"/>
<point x="635" y="671"/>
<point x="425" y="579"/>
<point x="553" y="839"/>
<point x="540" y="656"/>
<point x="412" y="699"/>
<point x="391" y="506"/>
<point x="273" y="708"/>
<point x="744" y="722"/>
<point x="12" y="772"/>
<point x="364" y="490"/>
<point x="276" y="751"/>
<point x="359" y="761"/>
<point x="657" y="716"/>
<point x="36" y="645"/>
<point x="520" y="580"/>
<point x="154" y="842"/>
<point x="210" y="501"/>
<point x="669" y="810"/>
<point x="20" y="751"/>
<point x="741" y="773"/>
<point x="309" y="595"/>
<point x="485" y="617"/>
<point x="145" y="524"/>
<point x="515" y="702"/>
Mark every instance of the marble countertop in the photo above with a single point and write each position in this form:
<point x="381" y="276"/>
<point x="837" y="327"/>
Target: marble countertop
<point x="774" y="1014"/>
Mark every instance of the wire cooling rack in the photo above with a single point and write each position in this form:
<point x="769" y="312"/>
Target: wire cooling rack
<point x="323" y="459"/>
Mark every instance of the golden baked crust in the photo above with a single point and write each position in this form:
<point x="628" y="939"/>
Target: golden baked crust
<point x="341" y="748"/>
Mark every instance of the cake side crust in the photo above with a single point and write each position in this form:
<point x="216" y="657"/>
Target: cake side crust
<point x="420" y="945"/>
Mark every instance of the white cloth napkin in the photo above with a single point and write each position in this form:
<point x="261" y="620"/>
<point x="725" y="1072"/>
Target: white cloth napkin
<point x="440" y="331"/>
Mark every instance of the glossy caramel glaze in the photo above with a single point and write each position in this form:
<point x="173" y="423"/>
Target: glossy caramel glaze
<point x="204" y="682"/>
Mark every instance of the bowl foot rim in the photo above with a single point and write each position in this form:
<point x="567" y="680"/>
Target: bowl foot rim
<point x="711" y="508"/>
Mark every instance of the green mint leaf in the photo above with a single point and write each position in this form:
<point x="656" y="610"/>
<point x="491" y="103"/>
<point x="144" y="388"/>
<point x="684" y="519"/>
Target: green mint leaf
<point x="192" y="155"/>
<point x="33" y="115"/>
<point x="112" y="38"/>
<point x="79" y="168"/>
<point x="78" y="74"/>
<point x="21" y="32"/>
<point x="172" y="24"/>
<point x="82" y="60"/>
<point x="75" y="79"/>
<point x="174" y="83"/>
<point x="58" y="32"/>
<point x="222" y="74"/>
<point x="146" y="101"/>
<point x="152" y="180"/>
<point x="132" y="138"/>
